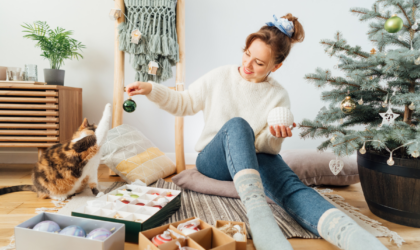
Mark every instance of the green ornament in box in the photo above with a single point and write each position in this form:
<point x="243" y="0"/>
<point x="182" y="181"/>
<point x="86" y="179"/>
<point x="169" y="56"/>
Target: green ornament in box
<point x="393" y="24"/>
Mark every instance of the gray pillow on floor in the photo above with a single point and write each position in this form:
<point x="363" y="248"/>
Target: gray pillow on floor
<point x="311" y="166"/>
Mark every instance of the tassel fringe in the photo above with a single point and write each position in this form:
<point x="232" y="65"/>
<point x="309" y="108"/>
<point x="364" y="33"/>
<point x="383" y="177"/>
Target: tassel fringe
<point x="156" y="22"/>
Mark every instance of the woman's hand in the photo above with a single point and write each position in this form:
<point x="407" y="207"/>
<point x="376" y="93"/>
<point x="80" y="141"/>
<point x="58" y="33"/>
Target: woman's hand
<point x="281" y="131"/>
<point x="139" y="88"/>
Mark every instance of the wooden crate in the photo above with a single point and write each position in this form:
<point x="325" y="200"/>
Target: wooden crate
<point x="38" y="115"/>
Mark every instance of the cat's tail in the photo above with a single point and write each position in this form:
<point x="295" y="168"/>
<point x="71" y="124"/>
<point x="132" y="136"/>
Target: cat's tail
<point x="17" y="189"/>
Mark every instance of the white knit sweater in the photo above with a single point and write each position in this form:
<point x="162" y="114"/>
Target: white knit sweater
<point x="223" y="94"/>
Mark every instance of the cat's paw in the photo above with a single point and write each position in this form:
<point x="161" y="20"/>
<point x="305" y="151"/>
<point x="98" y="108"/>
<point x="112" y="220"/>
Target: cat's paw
<point x="108" y="109"/>
<point x="59" y="197"/>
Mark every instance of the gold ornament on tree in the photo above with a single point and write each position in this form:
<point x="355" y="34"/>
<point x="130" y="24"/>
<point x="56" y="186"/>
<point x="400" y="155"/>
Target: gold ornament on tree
<point x="348" y="105"/>
<point x="373" y="51"/>
<point x="415" y="154"/>
<point x="385" y="103"/>
<point x="363" y="149"/>
<point x="390" y="161"/>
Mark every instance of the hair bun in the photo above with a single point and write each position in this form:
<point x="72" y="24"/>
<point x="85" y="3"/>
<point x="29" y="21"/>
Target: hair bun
<point x="299" y="34"/>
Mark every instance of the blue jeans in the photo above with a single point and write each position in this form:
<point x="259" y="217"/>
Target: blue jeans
<point x="232" y="150"/>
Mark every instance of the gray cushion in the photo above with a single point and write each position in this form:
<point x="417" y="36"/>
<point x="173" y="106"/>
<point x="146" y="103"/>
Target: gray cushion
<point x="311" y="166"/>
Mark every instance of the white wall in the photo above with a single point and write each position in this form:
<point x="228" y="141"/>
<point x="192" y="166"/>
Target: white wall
<point x="215" y="33"/>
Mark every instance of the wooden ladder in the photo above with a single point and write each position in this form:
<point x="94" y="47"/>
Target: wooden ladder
<point x="117" y="113"/>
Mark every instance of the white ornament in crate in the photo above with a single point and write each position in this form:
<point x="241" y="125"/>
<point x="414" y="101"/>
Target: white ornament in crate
<point x="280" y="116"/>
<point x="336" y="166"/>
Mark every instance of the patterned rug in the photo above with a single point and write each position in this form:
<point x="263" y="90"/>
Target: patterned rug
<point x="210" y="208"/>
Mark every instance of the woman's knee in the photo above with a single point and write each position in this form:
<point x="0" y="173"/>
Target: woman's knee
<point x="239" y="123"/>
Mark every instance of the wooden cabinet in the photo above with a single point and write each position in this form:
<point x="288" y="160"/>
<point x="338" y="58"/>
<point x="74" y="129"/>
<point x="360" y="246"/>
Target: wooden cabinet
<point x="38" y="115"/>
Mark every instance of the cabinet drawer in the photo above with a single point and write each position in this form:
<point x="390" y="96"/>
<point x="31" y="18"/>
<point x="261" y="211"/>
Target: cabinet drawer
<point x="38" y="115"/>
<point x="29" y="117"/>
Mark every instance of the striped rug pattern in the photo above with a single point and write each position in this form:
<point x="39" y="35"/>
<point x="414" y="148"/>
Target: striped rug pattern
<point x="210" y="208"/>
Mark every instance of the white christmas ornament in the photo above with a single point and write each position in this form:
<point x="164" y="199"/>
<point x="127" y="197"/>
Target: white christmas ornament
<point x="336" y="166"/>
<point x="412" y="106"/>
<point x="280" y="116"/>
<point x="388" y="117"/>
<point x="239" y="237"/>
<point x="238" y="228"/>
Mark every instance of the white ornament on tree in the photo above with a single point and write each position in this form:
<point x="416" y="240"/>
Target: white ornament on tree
<point x="361" y="101"/>
<point x="336" y="166"/>
<point x="388" y="117"/>
<point x="411" y="106"/>
<point x="390" y="161"/>
<point x="280" y="116"/>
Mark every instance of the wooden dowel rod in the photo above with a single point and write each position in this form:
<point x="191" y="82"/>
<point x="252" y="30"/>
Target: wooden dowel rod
<point x="117" y="114"/>
<point x="180" y="78"/>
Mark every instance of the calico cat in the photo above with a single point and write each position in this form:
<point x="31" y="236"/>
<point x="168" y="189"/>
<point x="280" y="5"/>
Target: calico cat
<point x="66" y="169"/>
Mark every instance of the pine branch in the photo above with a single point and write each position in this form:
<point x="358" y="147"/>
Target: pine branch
<point x="405" y="14"/>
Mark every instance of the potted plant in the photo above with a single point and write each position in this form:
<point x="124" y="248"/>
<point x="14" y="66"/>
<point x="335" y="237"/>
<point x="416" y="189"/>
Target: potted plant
<point x="379" y="90"/>
<point x="57" y="45"/>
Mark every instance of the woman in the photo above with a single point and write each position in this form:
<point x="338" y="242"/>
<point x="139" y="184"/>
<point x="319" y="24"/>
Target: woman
<point x="236" y="143"/>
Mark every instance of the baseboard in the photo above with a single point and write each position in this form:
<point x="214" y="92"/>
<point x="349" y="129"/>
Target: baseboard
<point x="18" y="157"/>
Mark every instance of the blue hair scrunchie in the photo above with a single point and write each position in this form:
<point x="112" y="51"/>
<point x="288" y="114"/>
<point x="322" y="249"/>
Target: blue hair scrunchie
<point x="283" y="25"/>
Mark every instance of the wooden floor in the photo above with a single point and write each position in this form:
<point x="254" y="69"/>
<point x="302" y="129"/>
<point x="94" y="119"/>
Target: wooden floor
<point x="18" y="207"/>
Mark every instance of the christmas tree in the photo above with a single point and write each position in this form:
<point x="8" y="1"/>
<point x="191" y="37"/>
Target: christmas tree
<point x="380" y="88"/>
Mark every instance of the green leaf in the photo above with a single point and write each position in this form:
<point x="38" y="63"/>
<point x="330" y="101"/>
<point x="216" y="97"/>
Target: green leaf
<point x="56" y="44"/>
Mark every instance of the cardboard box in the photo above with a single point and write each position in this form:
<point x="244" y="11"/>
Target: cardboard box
<point x="240" y="245"/>
<point x="26" y="238"/>
<point x="107" y="206"/>
<point x="207" y="238"/>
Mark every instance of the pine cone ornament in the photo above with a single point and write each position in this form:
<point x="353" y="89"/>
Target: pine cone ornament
<point x="280" y="116"/>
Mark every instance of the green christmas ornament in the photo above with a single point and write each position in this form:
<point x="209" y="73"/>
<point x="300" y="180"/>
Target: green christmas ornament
<point x="129" y="105"/>
<point x="393" y="24"/>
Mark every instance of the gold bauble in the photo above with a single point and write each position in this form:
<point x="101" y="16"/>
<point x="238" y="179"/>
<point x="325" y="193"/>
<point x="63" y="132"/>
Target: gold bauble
<point x="348" y="105"/>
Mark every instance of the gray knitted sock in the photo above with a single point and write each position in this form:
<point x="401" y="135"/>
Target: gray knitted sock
<point x="339" y="229"/>
<point x="266" y="234"/>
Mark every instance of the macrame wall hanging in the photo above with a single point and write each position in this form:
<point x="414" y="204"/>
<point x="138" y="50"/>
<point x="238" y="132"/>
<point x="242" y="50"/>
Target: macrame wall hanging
<point x="153" y="21"/>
